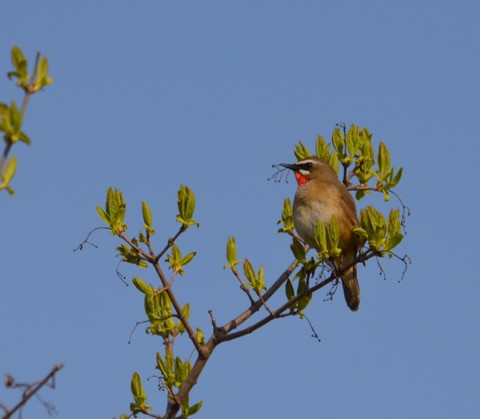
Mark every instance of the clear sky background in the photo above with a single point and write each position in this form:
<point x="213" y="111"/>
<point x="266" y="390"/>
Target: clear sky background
<point x="151" y="94"/>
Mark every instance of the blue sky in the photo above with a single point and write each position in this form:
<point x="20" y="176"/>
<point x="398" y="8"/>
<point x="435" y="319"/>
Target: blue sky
<point x="210" y="94"/>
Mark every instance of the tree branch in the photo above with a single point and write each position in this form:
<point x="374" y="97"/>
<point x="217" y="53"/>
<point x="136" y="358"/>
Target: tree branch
<point x="139" y="250"/>
<point x="170" y="243"/>
<point x="233" y="324"/>
<point x="209" y="347"/>
<point x="30" y="391"/>
<point x="376" y="188"/>
<point x="224" y="337"/>
<point x="3" y="160"/>
<point x="193" y="337"/>
<point x="192" y="378"/>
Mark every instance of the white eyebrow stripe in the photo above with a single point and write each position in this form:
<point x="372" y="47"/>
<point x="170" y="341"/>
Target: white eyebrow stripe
<point x="306" y="161"/>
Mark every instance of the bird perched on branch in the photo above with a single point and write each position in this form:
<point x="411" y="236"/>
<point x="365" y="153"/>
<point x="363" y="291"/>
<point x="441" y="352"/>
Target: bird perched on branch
<point x="320" y="195"/>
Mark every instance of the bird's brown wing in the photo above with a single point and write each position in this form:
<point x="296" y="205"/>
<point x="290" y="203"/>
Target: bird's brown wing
<point x="349" y="207"/>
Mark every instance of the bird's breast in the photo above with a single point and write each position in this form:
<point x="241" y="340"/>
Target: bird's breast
<point x="306" y="215"/>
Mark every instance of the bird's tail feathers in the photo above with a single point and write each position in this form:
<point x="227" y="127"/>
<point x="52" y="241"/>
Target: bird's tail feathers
<point x="351" y="288"/>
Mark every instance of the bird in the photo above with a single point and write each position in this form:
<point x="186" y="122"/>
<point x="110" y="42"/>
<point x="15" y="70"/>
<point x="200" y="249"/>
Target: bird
<point x="320" y="196"/>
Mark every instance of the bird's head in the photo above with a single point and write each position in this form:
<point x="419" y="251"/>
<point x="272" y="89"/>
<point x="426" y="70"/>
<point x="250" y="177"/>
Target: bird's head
<point x="309" y="169"/>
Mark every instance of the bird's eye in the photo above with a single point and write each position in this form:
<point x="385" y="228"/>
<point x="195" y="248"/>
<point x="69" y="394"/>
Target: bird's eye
<point x="307" y="166"/>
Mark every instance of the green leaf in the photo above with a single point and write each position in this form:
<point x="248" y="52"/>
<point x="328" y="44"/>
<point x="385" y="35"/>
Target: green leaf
<point x="374" y="223"/>
<point x="333" y="161"/>
<point x="24" y="138"/>
<point x="287" y="217"/>
<point x="9" y="172"/>
<point x="256" y="281"/>
<point x="142" y="286"/>
<point x="386" y="195"/>
<point x="10" y="190"/>
<point x="20" y="63"/>
<point x="11" y="123"/>
<point x="167" y="367"/>
<point x="393" y="241"/>
<point x="249" y="272"/>
<point x="147" y="214"/>
<point x="15" y="116"/>
<point x="185" y="406"/>
<point x="42" y="74"/>
<point x="151" y="306"/>
<point x="352" y="140"/>
<point x="361" y="234"/>
<point x="232" y="253"/>
<point x="161" y="365"/>
<point x="321" y="148"/>
<point x="42" y="69"/>
<point x="396" y="179"/>
<point x="186" y="313"/>
<point x="338" y="141"/>
<point x="301" y="152"/>
<point x="260" y="285"/>
<point x="186" y="206"/>
<point x="187" y="259"/>
<point x="383" y="158"/>
<point x="394" y="235"/>
<point x="333" y="234"/>
<point x="115" y="209"/>
<point x="17" y="57"/>
<point x="289" y="291"/>
<point x="103" y="215"/>
<point x="176" y="255"/>
<point x="323" y="152"/>
<point x="169" y="362"/>
<point x="138" y="391"/>
<point x="176" y="261"/>
<point x="298" y="250"/>
<point x="321" y="237"/>
<point x="394" y="224"/>
<point x="200" y="336"/>
<point x="195" y="408"/>
<point x="182" y="370"/>
<point x="304" y="301"/>
<point x="359" y="195"/>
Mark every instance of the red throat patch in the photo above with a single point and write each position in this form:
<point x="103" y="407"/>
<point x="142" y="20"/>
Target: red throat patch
<point x="301" y="179"/>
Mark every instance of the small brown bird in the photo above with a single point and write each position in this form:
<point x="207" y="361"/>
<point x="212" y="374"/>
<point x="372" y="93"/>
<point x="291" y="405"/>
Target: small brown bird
<point x="320" y="195"/>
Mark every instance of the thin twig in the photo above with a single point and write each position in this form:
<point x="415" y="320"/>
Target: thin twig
<point x="233" y="324"/>
<point x="314" y="332"/>
<point x="80" y="246"/>
<point x="135" y="328"/>
<point x="376" y="188"/>
<point x="242" y="285"/>
<point x="170" y="243"/>
<point x="405" y="211"/>
<point x="265" y="305"/>
<point x="141" y="254"/>
<point x="121" y="276"/>
<point x="406" y="261"/>
<point x="30" y="391"/>
<point x="3" y="160"/>
<point x="214" y="323"/>
<point x="152" y="415"/>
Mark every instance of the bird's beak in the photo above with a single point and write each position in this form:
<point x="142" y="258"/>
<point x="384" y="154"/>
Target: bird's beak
<point x="289" y="166"/>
